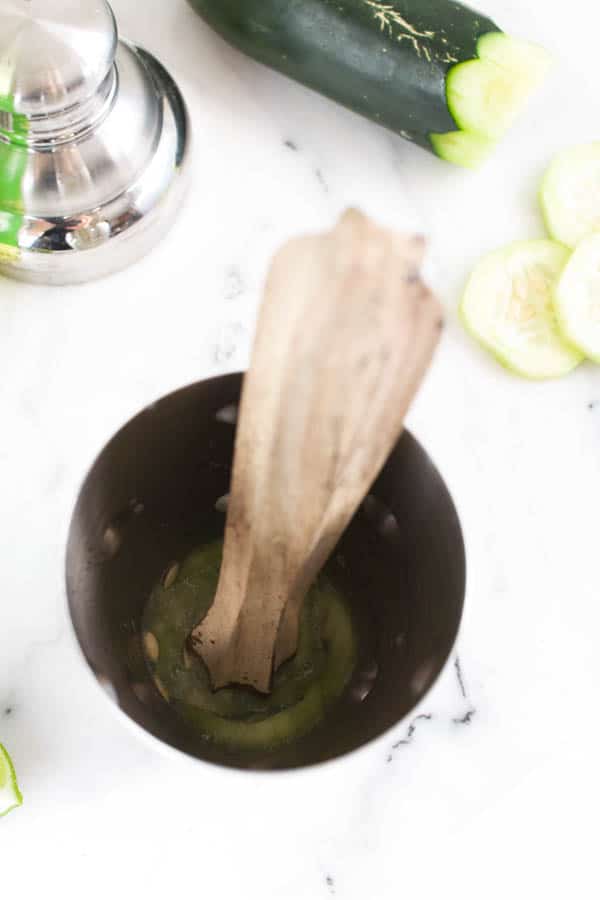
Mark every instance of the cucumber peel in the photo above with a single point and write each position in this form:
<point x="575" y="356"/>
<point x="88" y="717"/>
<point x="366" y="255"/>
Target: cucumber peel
<point x="577" y="298"/>
<point x="570" y="194"/>
<point x="486" y="94"/>
<point x="508" y="306"/>
<point x="10" y="795"/>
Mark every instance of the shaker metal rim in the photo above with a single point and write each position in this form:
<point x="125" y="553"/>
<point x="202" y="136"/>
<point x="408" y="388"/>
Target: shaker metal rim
<point x="381" y="739"/>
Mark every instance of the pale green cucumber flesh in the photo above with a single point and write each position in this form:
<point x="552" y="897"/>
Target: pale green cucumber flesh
<point x="303" y="689"/>
<point x="508" y="306"/>
<point x="577" y="298"/>
<point x="462" y="148"/>
<point x="486" y="94"/>
<point x="570" y="194"/>
<point x="10" y="795"/>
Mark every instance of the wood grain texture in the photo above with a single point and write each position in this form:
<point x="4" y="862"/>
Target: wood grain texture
<point x="345" y="334"/>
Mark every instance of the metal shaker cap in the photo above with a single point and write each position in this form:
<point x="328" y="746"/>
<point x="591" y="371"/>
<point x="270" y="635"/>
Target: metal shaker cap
<point x="94" y="140"/>
<point x="54" y="54"/>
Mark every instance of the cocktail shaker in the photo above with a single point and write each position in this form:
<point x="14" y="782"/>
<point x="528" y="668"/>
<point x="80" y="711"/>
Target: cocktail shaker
<point x="94" y="141"/>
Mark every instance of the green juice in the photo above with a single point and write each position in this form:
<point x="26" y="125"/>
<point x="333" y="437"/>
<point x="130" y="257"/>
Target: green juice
<point x="303" y="689"/>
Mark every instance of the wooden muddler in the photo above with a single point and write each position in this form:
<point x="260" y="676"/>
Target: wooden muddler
<point x="345" y="335"/>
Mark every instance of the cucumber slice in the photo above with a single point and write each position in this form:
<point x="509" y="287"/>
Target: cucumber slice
<point x="461" y="148"/>
<point x="508" y="307"/>
<point x="486" y="95"/>
<point x="570" y="194"/>
<point x="577" y="298"/>
<point x="10" y="795"/>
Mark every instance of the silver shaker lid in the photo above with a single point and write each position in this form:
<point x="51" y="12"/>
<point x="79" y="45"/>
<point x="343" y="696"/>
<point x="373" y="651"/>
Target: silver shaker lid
<point x="54" y="54"/>
<point x="94" y="140"/>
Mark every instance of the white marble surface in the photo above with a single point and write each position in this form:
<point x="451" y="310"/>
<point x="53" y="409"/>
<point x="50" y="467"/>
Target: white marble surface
<point x="502" y="803"/>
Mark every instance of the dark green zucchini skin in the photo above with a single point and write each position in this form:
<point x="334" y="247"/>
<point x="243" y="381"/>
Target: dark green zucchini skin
<point x="386" y="60"/>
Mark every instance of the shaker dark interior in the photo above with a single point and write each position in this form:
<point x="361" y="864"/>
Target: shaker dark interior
<point x="150" y="498"/>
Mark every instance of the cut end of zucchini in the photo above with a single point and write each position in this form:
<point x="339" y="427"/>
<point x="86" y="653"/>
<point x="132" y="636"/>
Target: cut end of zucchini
<point x="570" y="194"/>
<point x="10" y="795"/>
<point x="577" y="298"/>
<point x="486" y="95"/>
<point x="508" y="306"/>
<point x="461" y="148"/>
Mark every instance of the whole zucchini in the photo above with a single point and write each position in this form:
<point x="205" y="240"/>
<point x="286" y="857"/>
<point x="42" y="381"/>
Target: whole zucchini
<point x="434" y="71"/>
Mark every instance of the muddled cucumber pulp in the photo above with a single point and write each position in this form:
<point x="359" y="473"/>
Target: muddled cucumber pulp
<point x="304" y="688"/>
<point x="485" y="95"/>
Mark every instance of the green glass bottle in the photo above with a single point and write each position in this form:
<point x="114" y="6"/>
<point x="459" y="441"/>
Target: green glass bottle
<point x="13" y="164"/>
